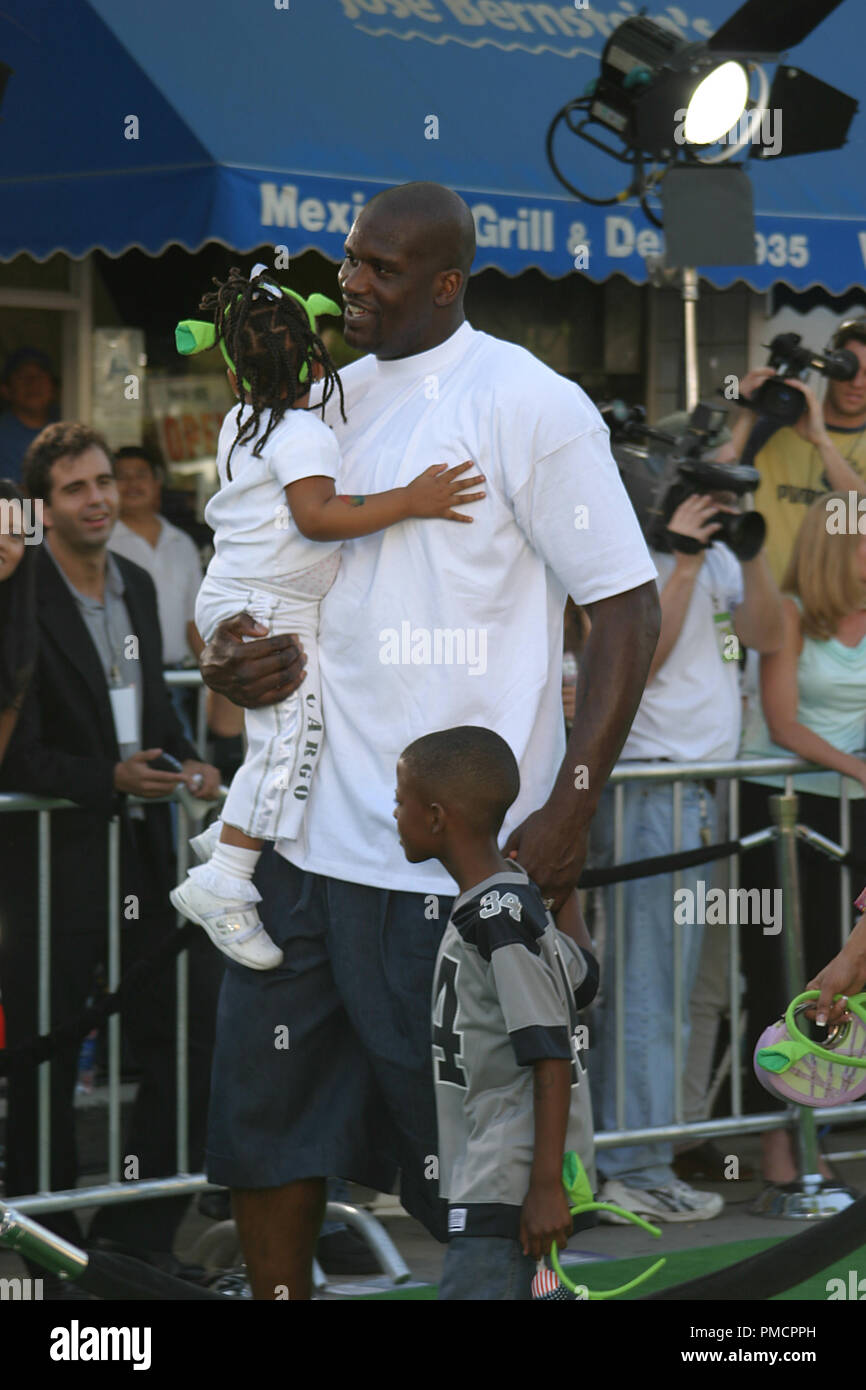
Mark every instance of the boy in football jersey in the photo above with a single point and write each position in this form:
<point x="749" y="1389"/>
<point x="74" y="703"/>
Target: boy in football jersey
<point x="511" y="1090"/>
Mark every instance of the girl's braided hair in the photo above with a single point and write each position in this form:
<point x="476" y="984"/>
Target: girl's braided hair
<point x="269" y="341"/>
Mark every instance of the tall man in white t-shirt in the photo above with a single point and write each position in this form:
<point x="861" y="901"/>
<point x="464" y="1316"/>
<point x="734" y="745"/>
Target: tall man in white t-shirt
<point x="690" y="712"/>
<point x="423" y="629"/>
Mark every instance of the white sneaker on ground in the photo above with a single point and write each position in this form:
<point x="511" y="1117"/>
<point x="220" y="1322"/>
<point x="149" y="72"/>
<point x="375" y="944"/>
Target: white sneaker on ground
<point x="676" y="1201"/>
<point x="234" y="927"/>
<point x="203" y="845"/>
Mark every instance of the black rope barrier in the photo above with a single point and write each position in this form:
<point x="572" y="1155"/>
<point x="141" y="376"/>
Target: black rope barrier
<point x="787" y="1264"/>
<point x="659" y="864"/>
<point x="112" y="1276"/>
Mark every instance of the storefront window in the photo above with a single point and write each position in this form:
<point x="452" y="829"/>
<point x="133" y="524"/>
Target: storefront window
<point x="26" y="274"/>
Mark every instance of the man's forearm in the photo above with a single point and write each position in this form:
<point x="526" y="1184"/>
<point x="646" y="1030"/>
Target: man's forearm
<point x="758" y="619"/>
<point x="840" y="475"/>
<point x="674" y="604"/>
<point x="611" y="679"/>
<point x="740" y="431"/>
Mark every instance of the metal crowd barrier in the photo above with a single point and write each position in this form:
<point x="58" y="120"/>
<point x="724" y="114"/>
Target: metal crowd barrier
<point x="184" y="1182"/>
<point x="785" y="833"/>
<point x="114" y="1190"/>
<point x="183" y="680"/>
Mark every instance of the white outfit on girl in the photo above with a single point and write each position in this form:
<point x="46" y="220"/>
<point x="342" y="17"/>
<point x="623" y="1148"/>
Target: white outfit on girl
<point x="264" y="565"/>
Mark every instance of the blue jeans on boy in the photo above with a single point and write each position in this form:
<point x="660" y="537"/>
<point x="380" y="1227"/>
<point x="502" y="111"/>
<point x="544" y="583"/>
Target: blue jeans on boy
<point x="486" y="1268"/>
<point x="649" y="975"/>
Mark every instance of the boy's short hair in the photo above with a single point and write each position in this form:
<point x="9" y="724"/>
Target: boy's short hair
<point x="470" y="767"/>
<point x="65" y="438"/>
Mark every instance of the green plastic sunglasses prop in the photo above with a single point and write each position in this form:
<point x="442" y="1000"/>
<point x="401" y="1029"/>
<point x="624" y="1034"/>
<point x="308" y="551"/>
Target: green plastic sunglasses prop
<point x="197" y="335"/>
<point x="579" y="1193"/>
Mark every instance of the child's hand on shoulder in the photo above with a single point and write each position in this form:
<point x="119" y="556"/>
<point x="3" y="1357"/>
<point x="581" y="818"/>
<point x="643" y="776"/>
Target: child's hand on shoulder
<point x="545" y="1218"/>
<point x="436" y="491"/>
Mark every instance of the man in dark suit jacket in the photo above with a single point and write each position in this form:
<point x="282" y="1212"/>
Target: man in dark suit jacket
<point x="96" y="716"/>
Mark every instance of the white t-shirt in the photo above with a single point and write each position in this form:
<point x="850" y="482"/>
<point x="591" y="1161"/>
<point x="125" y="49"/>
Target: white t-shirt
<point x="255" y="535"/>
<point x="433" y="623"/>
<point x="175" y="568"/>
<point x="691" y="709"/>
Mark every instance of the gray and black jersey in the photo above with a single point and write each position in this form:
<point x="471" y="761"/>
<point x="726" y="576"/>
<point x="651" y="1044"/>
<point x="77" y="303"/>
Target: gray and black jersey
<point x="506" y="990"/>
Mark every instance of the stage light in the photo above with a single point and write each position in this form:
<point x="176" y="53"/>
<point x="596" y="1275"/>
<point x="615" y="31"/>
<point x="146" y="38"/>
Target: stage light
<point x="717" y="104"/>
<point x="672" y="102"/>
<point x="677" y="106"/>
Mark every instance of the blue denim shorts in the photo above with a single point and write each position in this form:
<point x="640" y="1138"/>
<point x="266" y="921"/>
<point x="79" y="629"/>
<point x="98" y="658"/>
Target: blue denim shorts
<point x="322" y="1068"/>
<point x="486" y="1268"/>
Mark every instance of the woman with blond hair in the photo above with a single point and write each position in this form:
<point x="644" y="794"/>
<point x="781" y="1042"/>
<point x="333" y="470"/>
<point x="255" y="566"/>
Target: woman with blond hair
<point x="813" y="699"/>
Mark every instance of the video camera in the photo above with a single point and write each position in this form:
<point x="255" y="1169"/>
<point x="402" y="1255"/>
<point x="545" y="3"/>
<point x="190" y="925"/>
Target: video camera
<point x="658" y="478"/>
<point x="784" y="404"/>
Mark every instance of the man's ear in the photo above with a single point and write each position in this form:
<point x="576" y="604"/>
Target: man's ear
<point x="4" y="391"/>
<point x="448" y="286"/>
<point x="438" y="818"/>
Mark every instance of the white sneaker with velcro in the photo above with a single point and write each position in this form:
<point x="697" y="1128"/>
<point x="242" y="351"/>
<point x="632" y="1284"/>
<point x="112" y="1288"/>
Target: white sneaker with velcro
<point x="235" y="928"/>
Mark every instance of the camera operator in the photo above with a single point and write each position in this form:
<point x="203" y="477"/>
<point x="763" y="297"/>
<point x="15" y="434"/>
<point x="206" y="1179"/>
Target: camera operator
<point x="825" y="451"/>
<point x="690" y="711"/>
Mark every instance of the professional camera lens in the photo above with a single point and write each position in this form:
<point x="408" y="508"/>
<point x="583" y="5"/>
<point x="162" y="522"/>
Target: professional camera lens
<point x="779" y="401"/>
<point x="744" y="534"/>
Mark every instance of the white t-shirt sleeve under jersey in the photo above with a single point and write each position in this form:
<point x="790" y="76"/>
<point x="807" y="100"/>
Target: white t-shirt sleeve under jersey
<point x="309" y="451"/>
<point x="576" y="514"/>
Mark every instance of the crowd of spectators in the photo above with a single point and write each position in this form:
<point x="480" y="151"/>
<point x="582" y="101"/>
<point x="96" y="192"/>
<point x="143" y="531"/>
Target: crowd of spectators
<point x="95" y="715"/>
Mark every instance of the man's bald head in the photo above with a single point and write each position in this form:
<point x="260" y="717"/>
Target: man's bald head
<point x="407" y="261"/>
<point x="437" y="219"/>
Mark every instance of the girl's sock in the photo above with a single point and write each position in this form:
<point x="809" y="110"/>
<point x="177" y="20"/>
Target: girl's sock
<point x="229" y="873"/>
<point x="234" y="861"/>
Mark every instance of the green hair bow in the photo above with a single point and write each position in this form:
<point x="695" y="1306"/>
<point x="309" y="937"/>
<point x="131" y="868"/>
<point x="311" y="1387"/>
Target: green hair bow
<point x="196" y="335"/>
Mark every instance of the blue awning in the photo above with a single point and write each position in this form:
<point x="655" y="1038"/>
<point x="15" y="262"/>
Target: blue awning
<point x="190" y="121"/>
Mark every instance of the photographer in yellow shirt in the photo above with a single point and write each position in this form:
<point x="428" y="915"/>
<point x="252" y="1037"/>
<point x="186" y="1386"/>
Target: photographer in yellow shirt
<point x="824" y="452"/>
